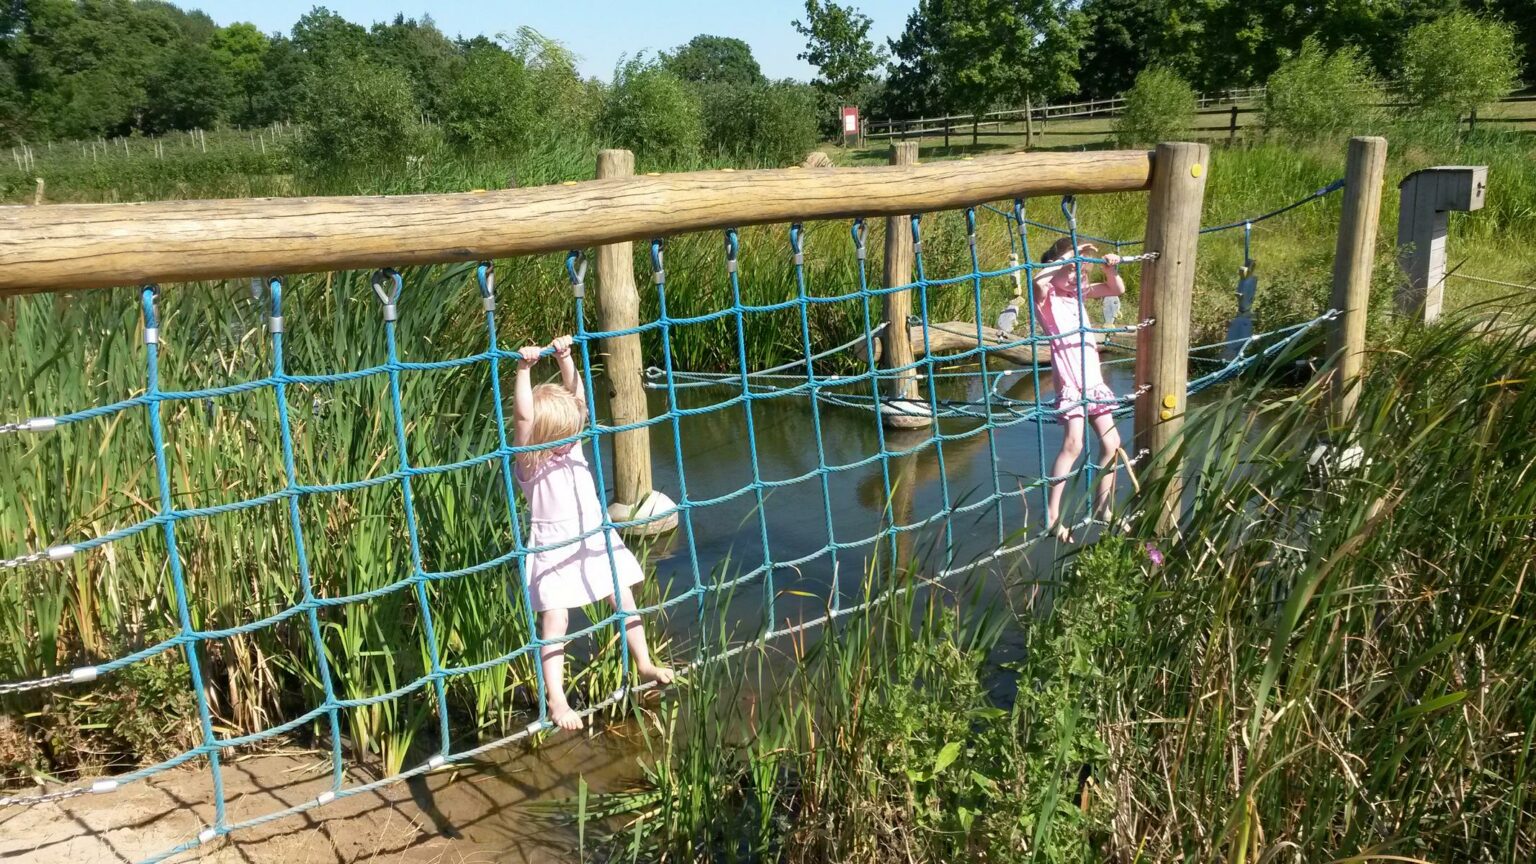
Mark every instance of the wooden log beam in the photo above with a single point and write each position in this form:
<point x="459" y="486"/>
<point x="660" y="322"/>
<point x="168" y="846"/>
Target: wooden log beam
<point x="76" y="246"/>
<point x="952" y="337"/>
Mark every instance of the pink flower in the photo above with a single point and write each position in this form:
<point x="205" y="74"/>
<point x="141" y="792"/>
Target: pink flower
<point x="1155" y="554"/>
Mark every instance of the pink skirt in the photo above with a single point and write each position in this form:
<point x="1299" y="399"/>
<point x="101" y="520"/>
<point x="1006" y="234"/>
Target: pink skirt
<point x="578" y="573"/>
<point x="1080" y="386"/>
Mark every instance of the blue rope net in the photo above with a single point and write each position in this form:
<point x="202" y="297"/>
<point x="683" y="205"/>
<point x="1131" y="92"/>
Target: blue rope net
<point x="862" y="385"/>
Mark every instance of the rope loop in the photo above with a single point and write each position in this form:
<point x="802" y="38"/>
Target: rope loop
<point x="391" y="295"/>
<point x="657" y="251"/>
<point x="1069" y="211"/>
<point x="485" y="280"/>
<point x="275" y="304"/>
<point x="917" y="234"/>
<point x="796" y="242"/>
<point x="970" y="225"/>
<point x="732" y="249"/>
<point x="150" y="295"/>
<point x="576" y="270"/>
<point x="860" y="233"/>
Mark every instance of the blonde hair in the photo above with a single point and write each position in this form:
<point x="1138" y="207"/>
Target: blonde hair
<point x="557" y="414"/>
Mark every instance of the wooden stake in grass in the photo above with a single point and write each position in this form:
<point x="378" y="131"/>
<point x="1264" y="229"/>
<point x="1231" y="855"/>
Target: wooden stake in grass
<point x="1167" y="286"/>
<point x="1353" y="260"/>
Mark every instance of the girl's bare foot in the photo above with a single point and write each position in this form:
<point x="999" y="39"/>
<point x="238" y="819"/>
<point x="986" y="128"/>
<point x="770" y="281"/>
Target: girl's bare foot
<point x="561" y="715"/>
<point x="659" y="674"/>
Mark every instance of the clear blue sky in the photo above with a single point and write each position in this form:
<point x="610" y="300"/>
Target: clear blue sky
<point x="599" y="31"/>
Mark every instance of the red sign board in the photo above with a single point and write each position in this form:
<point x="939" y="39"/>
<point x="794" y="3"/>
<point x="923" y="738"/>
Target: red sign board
<point x="850" y="120"/>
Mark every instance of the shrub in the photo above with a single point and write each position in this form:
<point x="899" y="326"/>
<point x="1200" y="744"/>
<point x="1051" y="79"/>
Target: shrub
<point x="356" y="113"/>
<point x="769" y="123"/>
<point x="651" y="111"/>
<point x="1160" y="106"/>
<point x="1458" y="63"/>
<point x="1316" y="93"/>
<point x="491" y="104"/>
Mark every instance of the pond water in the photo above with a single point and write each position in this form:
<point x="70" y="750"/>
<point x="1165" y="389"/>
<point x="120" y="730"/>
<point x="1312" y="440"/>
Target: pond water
<point x="725" y="542"/>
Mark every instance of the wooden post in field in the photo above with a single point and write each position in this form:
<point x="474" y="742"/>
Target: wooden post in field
<point x="39" y="191"/>
<point x="975" y="131"/>
<point x="619" y="306"/>
<point x="1232" y="128"/>
<point x="902" y="410"/>
<point x="1353" y="260"/>
<point x="1029" y="124"/>
<point x="1167" y="286"/>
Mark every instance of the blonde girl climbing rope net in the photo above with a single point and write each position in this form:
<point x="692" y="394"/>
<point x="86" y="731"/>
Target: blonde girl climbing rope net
<point x="573" y="560"/>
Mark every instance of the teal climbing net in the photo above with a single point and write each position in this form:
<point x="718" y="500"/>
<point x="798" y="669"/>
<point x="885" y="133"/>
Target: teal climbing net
<point x="840" y="385"/>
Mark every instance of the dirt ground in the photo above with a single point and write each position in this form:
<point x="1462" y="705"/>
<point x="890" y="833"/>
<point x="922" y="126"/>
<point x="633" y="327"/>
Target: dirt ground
<point x="483" y="811"/>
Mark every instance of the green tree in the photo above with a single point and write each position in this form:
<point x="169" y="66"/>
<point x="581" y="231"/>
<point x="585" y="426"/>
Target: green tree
<point x="491" y="105"/>
<point x="1317" y="93"/>
<point x="566" y="105"/>
<point x="769" y="123"/>
<point x="1160" y="106"/>
<point x="714" y="60"/>
<point x="241" y="50"/>
<point x="652" y="112"/>
<point x="982" y="53"/>
<point x="325" y="37"/>
<point x="190" y="91"/>
<point x="283" y="83"/>
<point x="1458" y="63"/>
<point x="837" y="43"/>
<point x="1521" y="17"/>
<point x="430" y="60"/>
<point x="1120" y="43"/>
<point x="357" y="113"/>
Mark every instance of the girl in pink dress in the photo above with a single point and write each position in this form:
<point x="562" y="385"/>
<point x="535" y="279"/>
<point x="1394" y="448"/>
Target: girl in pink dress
<point x="562" y="500"/>
<point x="1080" y="387"/>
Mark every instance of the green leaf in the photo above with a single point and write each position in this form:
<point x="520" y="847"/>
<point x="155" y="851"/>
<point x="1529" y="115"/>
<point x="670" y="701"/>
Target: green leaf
<point x="947" y="756"/>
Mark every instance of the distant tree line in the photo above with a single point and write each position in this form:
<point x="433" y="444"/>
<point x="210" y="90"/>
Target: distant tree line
<point x="964" y="56"/>
<point x="88" y="68"/>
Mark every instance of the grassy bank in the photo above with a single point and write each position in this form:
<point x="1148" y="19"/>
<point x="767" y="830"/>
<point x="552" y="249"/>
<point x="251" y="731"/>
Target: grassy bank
<point x="1329" y="663"/>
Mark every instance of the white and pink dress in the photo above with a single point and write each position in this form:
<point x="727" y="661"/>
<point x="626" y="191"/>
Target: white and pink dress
<point x="1080" y="387"/>
<point x="563" y="503"/>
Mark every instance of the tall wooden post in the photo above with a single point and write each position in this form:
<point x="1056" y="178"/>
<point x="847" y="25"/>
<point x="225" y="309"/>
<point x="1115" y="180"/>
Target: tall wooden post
<point x="1167" y="285"/>
<point x="1232" y="128"/>
<point x="619" y="307"/>
<point x="902" y="410"/>
<point x="1353" y="260"/>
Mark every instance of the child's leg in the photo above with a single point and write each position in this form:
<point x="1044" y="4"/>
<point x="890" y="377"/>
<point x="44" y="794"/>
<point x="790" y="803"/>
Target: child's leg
<point x="634" y="634"/>
<point x="1071" y="448"/>
<point x="552" y="625"/>
<point x="1109" y="452"/>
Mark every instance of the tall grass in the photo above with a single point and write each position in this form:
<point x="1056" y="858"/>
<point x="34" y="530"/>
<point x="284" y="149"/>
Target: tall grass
<point x="1331" y="660"/>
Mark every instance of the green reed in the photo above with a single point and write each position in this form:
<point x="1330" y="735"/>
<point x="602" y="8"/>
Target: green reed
<point x="1328" y="661"/>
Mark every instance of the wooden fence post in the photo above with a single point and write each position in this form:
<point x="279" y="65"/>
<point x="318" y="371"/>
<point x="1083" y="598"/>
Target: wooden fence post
<point x="1232" y="128"/>
<point x="1167" y="285"/>
<point x="903" y="410"/>
<point x="619" y="308"/>
<point x="1353" y="260"/>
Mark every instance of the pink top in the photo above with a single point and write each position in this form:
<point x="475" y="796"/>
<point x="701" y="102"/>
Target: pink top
<point x="1060" y="310"/>
<point x="560" y="490"/>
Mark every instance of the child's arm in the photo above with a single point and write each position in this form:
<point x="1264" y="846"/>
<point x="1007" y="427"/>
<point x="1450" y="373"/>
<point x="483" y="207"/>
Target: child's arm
<point x="569" y="377"/>
<point x="1113" y="285"/>
<point x="522" y="396"/>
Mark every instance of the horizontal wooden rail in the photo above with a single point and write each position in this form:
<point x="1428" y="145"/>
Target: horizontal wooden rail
<point x="75" y="246"/>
